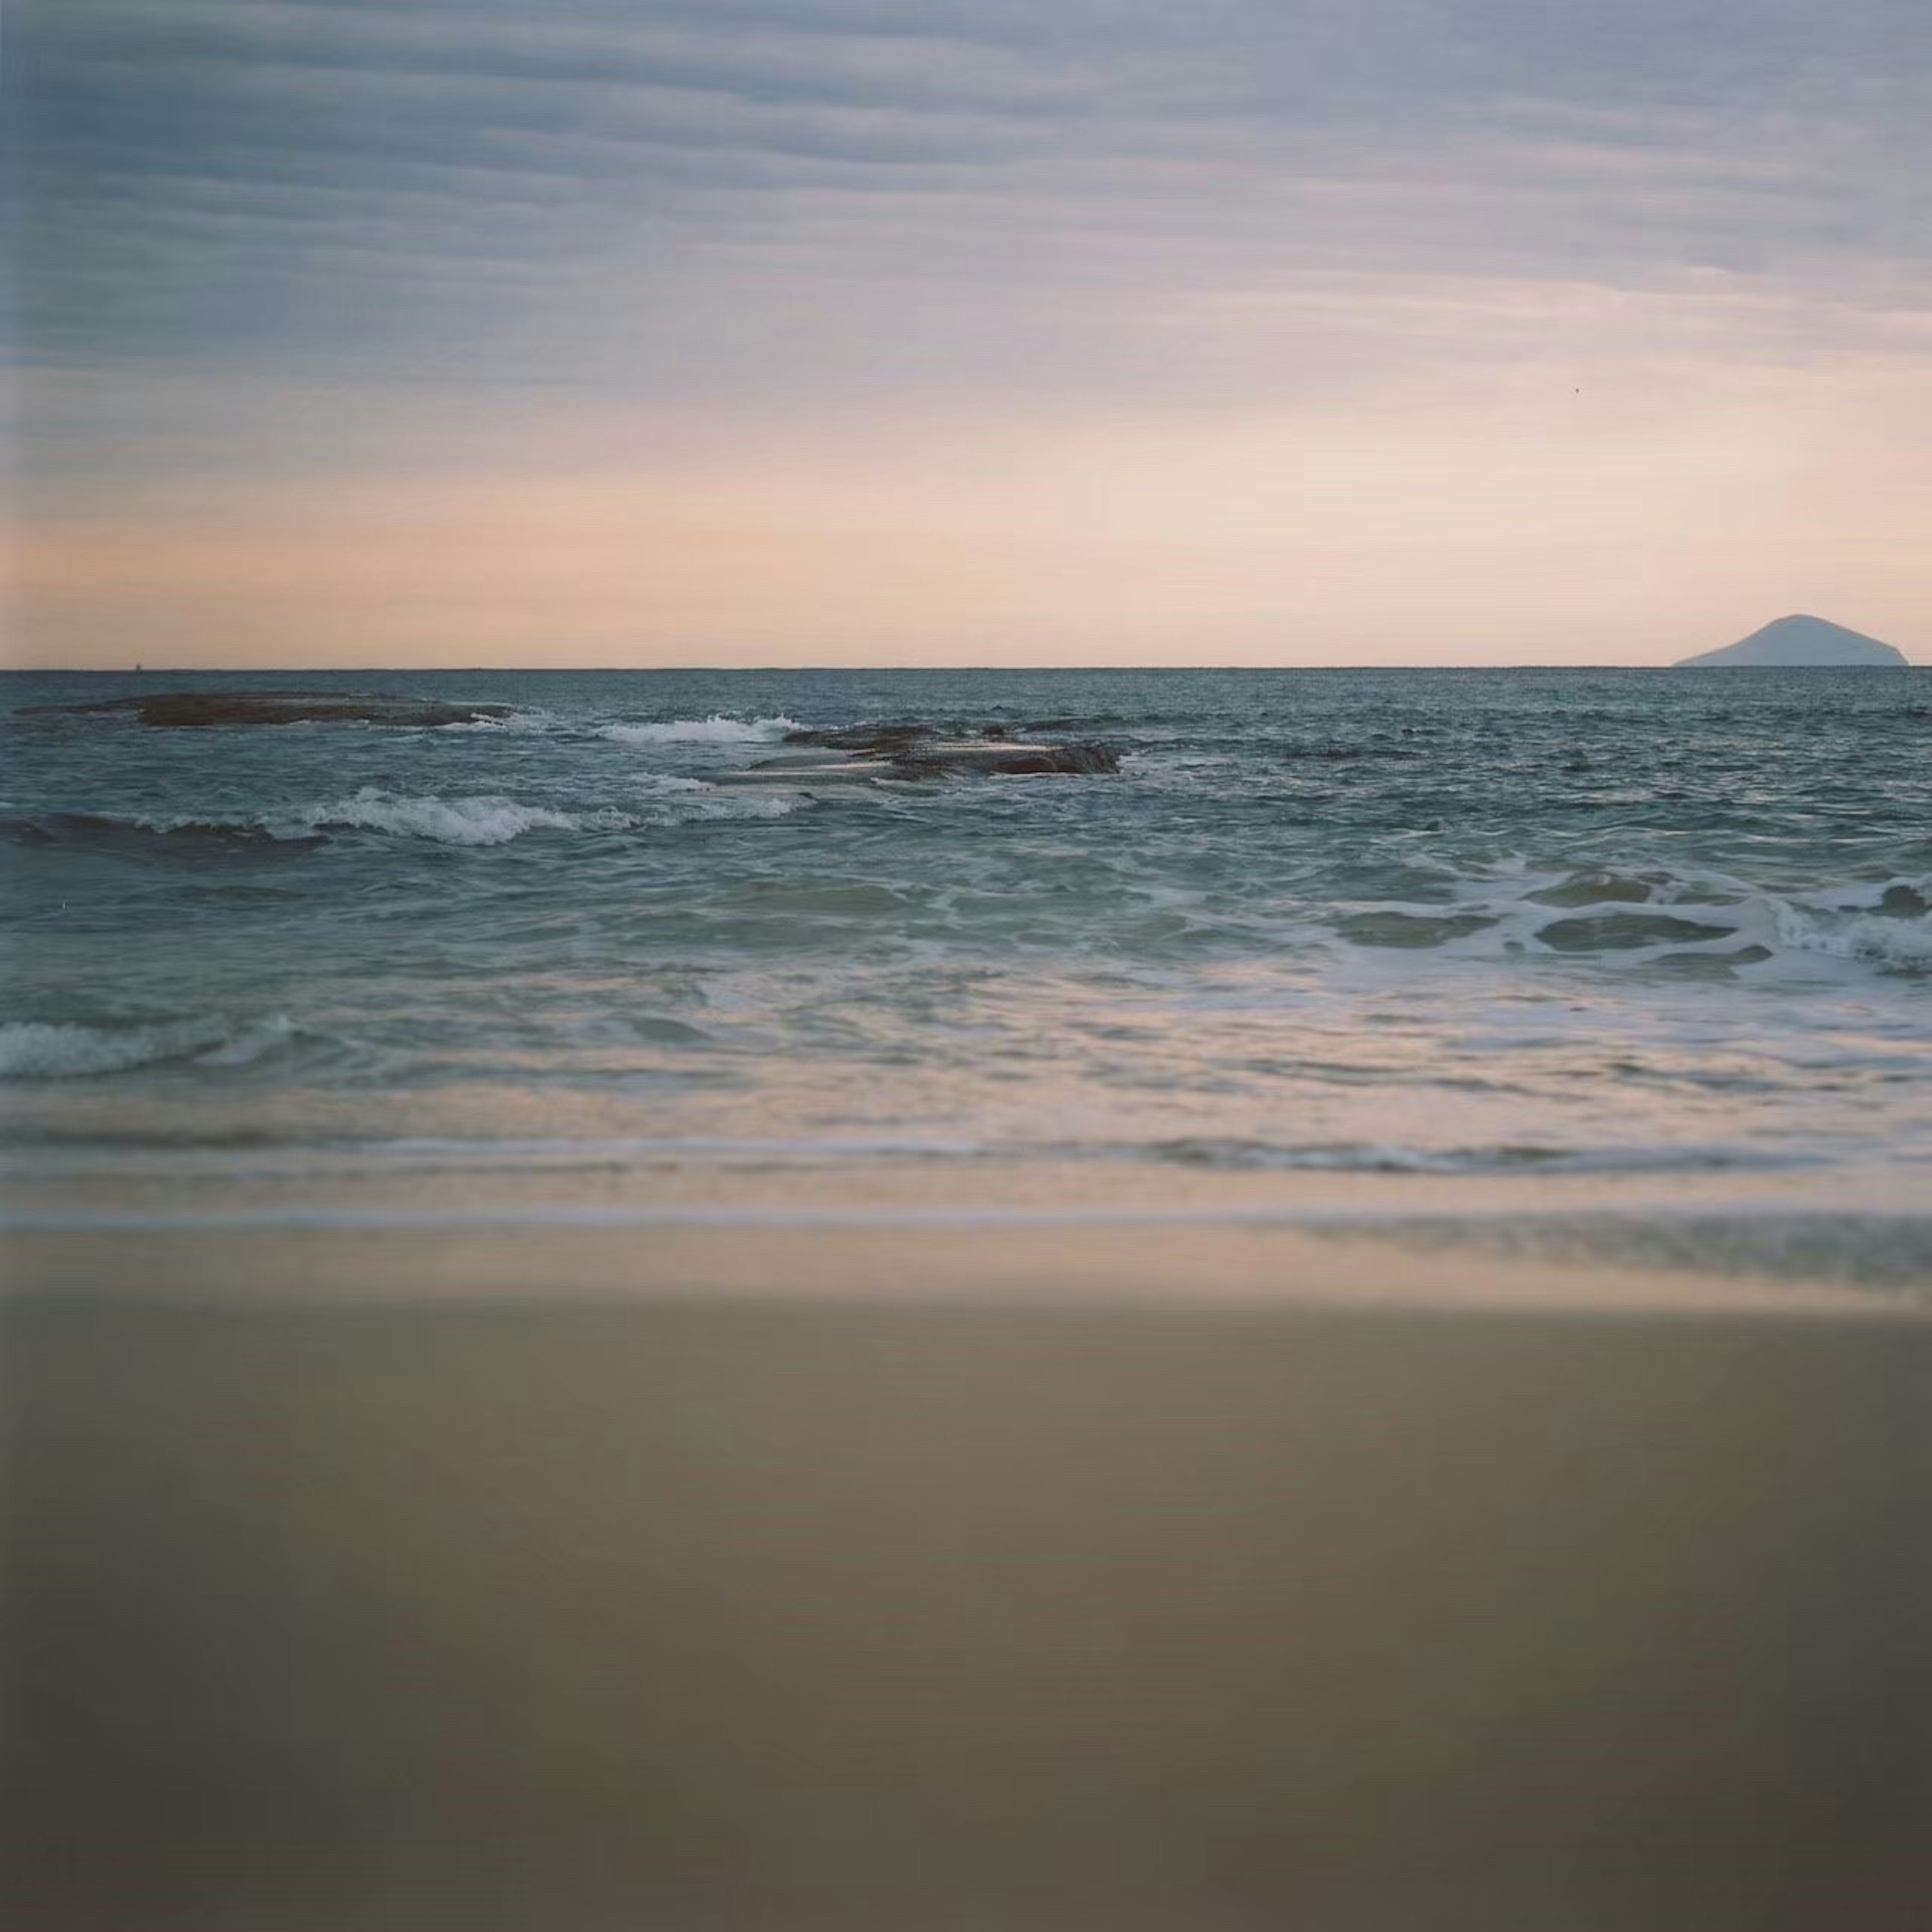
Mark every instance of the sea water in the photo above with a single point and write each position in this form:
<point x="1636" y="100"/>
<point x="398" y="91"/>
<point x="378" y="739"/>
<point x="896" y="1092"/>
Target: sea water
<point x="1531" y="925"/>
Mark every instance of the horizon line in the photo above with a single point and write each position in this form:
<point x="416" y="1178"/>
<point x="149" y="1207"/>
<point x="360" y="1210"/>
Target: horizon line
<point x="145" y="669"/>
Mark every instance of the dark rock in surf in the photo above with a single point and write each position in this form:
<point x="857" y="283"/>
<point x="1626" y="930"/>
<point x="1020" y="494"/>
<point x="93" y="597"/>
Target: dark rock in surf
<point x="880" y="740"/>
<point x="829" y="769"/>
<point x="195" y="710"/>
<point x="907" y="752"/>
<point x="1014" y="757"/>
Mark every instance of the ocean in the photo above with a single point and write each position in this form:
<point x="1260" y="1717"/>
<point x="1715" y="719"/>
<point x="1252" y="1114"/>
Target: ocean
<point x="1652" y="948"/>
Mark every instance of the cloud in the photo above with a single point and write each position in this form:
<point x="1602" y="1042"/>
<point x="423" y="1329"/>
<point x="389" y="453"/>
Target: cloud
<point x="332" y="183"/>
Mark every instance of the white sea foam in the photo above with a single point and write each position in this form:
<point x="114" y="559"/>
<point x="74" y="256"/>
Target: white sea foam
<point x="41" y="1050"/>
<point x="707" y="803"/>
<point x="1633" y="917"/>
<point x="1891" y="945"/>
<point x="663" y="798"/>
<point x="1898" y="945"/>
<point x="652" y="799"/>
<point x="716" y="730"/>
<point x="516" y="720"/>
<point x="491" y="820"/>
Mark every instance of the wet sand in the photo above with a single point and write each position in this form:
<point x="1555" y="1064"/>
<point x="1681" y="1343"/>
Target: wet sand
<point x="394" y="1582"/>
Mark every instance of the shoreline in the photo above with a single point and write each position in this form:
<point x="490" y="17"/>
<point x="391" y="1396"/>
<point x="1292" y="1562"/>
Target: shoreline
<point x="1068" y="1259"/>
<point x="1850" y="1240"/>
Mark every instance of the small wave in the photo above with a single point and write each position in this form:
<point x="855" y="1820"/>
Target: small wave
<point x="516" y="721"/>
<point x="687" y="801"/>
<point x="487" y="819"/>
<point x="141" y="836"/>
<point x="1412" y="929"/>
<point x="47" y="1050"/>
<point x="662" y="798"/>
<point x="1682" y="921"/>
<point x="1370" y="1157"/>
<point x="1594" y="888"/>
<point x="257" y="1156"/>
<point x="656" y="798"/>
<point x="491" y="820"/>
<point x="716" y="730"/>
<point x="1893" y="944"/>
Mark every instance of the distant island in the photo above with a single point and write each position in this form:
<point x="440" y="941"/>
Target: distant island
<point x="1797" y="641"/>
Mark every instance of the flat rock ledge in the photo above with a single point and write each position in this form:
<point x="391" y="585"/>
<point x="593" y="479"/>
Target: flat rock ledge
<point x="907" y="752"/>
<point x="193" y="709"/>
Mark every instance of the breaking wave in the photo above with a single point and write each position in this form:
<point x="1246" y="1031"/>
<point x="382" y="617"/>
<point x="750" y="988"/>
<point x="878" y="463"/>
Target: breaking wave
<point x="664" y="799"/>
<point x="485" y="819"/>
<point x="137" y="837"/>
<point x="1655" y="918"/>
<point x="1891" y="946"/>
<point x="1379" y="1157"/>
<point x="491" y="820"/>
<point x="516" y="721"/>
<point x="716" y="730"/>
<point x="45" y="1050"/>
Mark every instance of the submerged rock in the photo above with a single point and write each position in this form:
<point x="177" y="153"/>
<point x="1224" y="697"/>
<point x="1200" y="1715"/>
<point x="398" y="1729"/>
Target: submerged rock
<point x="1011" y="755"/>
<point x="1583" y="889"/>
<point x="187" y="709"/>
<point x="885" y="740"/>
<point x="1619" y="931"/>
<point x="907" y="752"/>
<point x="831" y="769"/>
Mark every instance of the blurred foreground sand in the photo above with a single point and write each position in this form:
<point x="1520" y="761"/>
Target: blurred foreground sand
<point x="1041" y="1580"/>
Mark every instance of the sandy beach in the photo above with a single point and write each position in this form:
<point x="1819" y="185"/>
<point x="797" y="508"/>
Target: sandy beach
<point x="791" y="1578"/>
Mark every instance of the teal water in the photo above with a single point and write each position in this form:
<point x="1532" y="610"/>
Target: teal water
<point x="1513" y="923"/>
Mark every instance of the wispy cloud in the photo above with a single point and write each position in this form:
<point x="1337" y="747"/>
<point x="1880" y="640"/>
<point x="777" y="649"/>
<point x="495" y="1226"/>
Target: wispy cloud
<point x="218" y="177"/>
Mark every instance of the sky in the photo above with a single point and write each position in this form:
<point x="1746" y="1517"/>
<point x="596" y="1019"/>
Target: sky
<point x="616" y="332"/>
